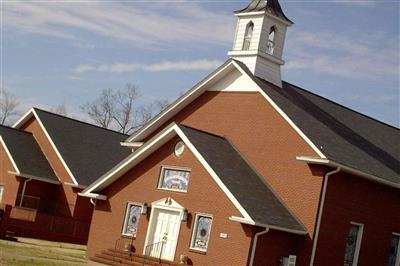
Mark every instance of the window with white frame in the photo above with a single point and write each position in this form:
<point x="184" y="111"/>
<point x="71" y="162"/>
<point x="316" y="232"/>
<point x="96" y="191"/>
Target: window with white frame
<point x="172" y="178"/>
<point x="271" y="40"/>
<point x="248" y="35"/>
<point x="201" y="232"/>
<point x="394" y="252"/>
<point x="132" y="217"/>
<point x="1" y="193"/>
<point x="353" y="244"/>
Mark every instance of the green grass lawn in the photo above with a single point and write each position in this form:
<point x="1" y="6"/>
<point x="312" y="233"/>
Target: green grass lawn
<point x="16" y="253"/>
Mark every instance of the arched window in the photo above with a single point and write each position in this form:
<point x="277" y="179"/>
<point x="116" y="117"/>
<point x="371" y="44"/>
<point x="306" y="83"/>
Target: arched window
<point x="271" y="40"/>
<point x="248" y="35"/>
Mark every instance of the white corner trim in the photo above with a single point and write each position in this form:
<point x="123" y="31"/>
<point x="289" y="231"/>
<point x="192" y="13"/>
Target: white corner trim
<point x="93" y="196"/>
<point x="38" y="178"/>
<point x="25" y="117"/>
<point x="348" y="169"/>
<point x="213" y="174"/>
<point x="9" y="154"/>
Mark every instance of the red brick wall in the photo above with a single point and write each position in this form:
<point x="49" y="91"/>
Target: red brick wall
<point x="266" y="140"/>
<point x="353" y="199"/>
<point x="9" y="181"/>
<point x="204" y="195"/>
<point x="274" y="245"/>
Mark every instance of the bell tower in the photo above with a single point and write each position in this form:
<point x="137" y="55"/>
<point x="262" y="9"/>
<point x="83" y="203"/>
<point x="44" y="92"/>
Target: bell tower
<point x="260" y="37"/>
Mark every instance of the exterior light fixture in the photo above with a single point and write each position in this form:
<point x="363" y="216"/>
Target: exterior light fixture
<point x="144" y="209"/>
<point x="184" y="215"/>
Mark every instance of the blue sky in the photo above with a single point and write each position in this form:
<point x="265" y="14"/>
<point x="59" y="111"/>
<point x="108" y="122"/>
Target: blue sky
<point x="66" y="52"/>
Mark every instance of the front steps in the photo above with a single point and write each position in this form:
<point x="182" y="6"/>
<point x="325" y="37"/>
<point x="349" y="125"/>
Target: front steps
<point x="118" y="257"/>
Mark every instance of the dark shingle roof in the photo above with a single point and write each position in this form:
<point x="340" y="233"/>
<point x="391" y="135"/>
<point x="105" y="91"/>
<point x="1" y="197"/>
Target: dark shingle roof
<point x="251" y="191"/>
<point x="26" y="153"/>
<point x="343" y="135"/>
<point x="88" y="150"/>
<point x="271" y="6"/>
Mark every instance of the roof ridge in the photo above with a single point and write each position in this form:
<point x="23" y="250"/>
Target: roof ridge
<point x="341" y="105"/>
<point x="16" y="129"/>
<point x="80" y="121"/>
<point x="202" y="131"/>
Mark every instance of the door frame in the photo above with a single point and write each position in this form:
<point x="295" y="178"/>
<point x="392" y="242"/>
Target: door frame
<point x="167" y="204"/>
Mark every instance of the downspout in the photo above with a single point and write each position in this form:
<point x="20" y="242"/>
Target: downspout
<point x="254" y="247"/>
<point x="93" y="201"/>
<point x="23" y="191"/>
<point x="321" y="209"/>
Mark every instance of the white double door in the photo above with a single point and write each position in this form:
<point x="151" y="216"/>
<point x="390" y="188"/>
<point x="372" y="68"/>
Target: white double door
<point x="164" y="232"/>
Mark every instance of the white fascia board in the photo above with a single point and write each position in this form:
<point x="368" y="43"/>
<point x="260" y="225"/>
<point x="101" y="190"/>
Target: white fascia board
<point x="93" y="196"/>
<point x="348" y="169"/>
<point x="183" y="100"/>
<point x="23" y="119"/>
<point x="28" y="115"/>
<point x="132" y="144"/>
<point x="38" y="178"/>
<point x="255" y="13"/>
<point x="280" y="111"/>
<point x="9" y="154"/>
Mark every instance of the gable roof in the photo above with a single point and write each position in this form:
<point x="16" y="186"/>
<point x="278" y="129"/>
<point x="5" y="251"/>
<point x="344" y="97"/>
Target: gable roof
<point x="271" y="6"/>
<point x="343" y="135"/>
<point x="346" y="136"/>
<point x="251" y="191"/>
<point x="26" y="154"/>
<point x="86" y="150"/>
<point x="254" y="199"/>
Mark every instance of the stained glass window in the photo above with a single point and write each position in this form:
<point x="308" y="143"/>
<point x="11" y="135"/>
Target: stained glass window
<point x="352" y="245"/>
<point x="201" y="232"/>
<point x="394" y="251"/>
<point x="132" y="217"/>
<point x="174" y="179"/>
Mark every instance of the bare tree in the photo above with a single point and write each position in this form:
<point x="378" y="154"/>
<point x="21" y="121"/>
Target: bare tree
<point x="101" y="111"/>
<point x="60" y="109"/>
<point x="121" y="110"/>
<point x="8" y="107"/>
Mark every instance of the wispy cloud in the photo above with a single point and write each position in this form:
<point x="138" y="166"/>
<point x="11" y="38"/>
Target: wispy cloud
<point x="156" y="25"/>
<point x="343" y="54"/>
<point x="201" y="64"/>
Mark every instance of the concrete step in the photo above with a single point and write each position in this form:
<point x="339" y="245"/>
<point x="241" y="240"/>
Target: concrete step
<point x="141" y="257"/>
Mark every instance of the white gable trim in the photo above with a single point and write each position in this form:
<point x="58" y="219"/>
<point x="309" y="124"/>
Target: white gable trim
<point x="38" y="178"/>
<point x="183" y="100"/>
<point x="158" y="140"/>
<point x="25" y="118"/>
<point x="9" y="154"/>
<point x="198" y="90"/>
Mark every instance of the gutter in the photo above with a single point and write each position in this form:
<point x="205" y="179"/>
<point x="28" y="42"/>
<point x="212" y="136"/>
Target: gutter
<point x="254" y="246"/>
<point x="43" y="179"/>
<point x="93" y="196"/>
<point x="321" y="209"/>
<point x="348" y="169"/>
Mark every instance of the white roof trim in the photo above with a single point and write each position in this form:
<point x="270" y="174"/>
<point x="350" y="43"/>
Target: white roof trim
<point x="348" y="169"/>
<point x="184" y="101"/>
<point x="162" y="137"/>
<point x="9" y="154"/>
<point x="25" y="118"/>
<point x="38" y="178"/>
<point x="142" y="133"/>
<point x="92" y="196"/>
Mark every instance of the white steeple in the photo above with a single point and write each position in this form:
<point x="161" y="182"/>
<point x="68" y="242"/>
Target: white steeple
<point x="260" y="37"/>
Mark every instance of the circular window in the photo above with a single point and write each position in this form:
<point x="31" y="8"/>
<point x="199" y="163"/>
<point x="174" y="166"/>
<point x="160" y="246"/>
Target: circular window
<point x="179" y="148"/>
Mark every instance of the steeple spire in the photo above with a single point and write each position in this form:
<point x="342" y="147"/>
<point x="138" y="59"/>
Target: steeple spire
<point x="260" y="38"/>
